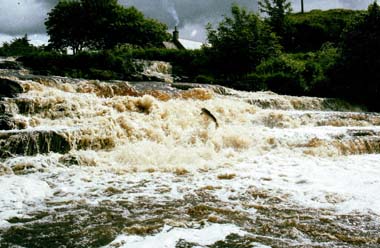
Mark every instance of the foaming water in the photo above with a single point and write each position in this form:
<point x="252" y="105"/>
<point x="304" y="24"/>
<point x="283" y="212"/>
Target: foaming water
<point x="122" y="164"/>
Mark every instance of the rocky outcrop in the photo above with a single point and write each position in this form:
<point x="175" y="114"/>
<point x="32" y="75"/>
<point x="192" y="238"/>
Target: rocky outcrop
<point x="6" y="122"/>
<point x="29" y="143"/>
<point x="218" y="89"/>
<point x="3" y="107"/>
<point x="10" y="65"/>
<point x="69" y="160"/>
<point x="9" y="122"/>
<point x="10" y="88"/>
<point x="4" y="170"/>
<point x="155" y="70"/>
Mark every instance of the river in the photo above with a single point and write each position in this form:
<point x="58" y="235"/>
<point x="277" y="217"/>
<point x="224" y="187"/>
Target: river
<point x="116" y="164"/>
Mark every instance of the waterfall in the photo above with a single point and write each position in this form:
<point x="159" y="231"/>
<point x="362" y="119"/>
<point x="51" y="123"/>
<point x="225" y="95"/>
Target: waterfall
<point x="129" y="164"/>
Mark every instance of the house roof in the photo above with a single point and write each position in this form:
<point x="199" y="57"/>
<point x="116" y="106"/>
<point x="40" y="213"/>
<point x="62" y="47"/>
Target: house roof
<point x="183" y="44"/>
<point x="190" y="44"/>
<point x="177" y="43"/>
<point x="169" y="45"/>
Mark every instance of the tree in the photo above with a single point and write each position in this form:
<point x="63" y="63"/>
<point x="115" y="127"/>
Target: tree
<point x="240" y="43"/>
<point x="100" y="24"/>
<point x="130" y="26"/>
<point x="358" y="72"/>
<point x="67" y="26"/>
<point x="17" y="47"/>
<point x="101" y="17"/>
<point x="277" y="11"/>
<point x="307" y="32"/>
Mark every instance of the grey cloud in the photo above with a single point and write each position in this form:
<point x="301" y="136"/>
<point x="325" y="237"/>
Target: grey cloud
<point x="23" y="16"/>
<point x="188" y="11"/>
<point x="193" y="15"/>
<point x="328" y="4"/>
<point x="27" y="16"/>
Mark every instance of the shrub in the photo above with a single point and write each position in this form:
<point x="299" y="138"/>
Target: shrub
<point x="204" y="79"/>
<point x="18" y="47"/>
<point x="240" y="43"/>
<point x="102" y="65"/>
<point x="357" y="74"/>
<point x="294" y="74"/>
<point x="309" y="31"/>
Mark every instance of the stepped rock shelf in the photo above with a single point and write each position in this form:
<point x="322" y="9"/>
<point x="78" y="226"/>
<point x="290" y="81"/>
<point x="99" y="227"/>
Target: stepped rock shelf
<point x="86" y="163"/>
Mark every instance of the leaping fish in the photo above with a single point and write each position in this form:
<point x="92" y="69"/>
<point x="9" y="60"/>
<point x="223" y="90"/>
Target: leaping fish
<point x="210" y="115"/>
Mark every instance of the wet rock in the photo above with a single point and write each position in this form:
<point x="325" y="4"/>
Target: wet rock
<point x="24" y="168"/>
<point x="32" y="143"/>
<point x="10" y="88"/>
<point x="2" y="107"/>
<point x="7" y="108"/>
<point x="4" y="170"/>
<point x="30" y="106"/>
<point x="69" y="160"/>
<point x="7" y="122"/>
<point x="218" y="89"/>
<point x="10" y="65"/>
<point x="155" y="70"/>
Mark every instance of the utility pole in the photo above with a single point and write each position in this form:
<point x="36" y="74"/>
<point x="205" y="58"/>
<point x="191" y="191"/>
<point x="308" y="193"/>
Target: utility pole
<point x="302" y="10"/>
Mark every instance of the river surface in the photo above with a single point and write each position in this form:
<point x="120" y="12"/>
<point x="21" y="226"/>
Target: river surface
<point x="144" y="168"/>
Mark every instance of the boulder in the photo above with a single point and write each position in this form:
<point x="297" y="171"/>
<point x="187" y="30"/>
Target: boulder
<point x="6" y="122"/>
<point x="10" y="88"/>
<point x="3" y="107"/>
<point x="29" y="143"/>
<point x="69" y="160"/>
<point x="10" y="65"/>
<point x="4" y="170"/>
<point x="155" y="70"/>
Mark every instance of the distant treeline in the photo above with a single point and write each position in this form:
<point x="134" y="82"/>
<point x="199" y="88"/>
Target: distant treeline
<point x="333" y="53"/>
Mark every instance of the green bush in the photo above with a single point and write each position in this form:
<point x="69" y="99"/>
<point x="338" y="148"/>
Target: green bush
<point x="117" y="63"/>
<point x="186" y="63"/>
<point x="251" y="82"/>
<point x="240" y="43"/>
<point x="294" y="74"/>
<point x="309" y="31"/>
<point x="283" y="74"/>
<point x="357" y="74"/>
<point x="204" y="79"/>
<point x="18" y="47"/>
<point x="101" y="65"/>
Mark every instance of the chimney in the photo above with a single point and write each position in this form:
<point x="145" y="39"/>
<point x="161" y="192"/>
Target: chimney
<point x="176" y="41"/>
<point x="175" y="34"/>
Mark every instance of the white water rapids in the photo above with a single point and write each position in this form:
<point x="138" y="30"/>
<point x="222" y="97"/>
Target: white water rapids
<point x="146" y="169"/>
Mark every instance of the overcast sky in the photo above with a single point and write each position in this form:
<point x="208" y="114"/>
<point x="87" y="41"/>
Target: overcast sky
<point x="18" y="17"/>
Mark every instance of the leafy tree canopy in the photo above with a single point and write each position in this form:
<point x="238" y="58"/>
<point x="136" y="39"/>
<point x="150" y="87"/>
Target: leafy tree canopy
<point x="17" y="47"/>
<point x="277" y="11"/>
<point x="100" y="24"/>
<point x="66" y="26"/>
<point x="359" y="68"/>
<point x="308" y="31"/>
<point x="240" y="42"/>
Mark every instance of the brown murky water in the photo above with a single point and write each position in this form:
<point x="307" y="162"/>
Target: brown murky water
<point x="130" y="165"/>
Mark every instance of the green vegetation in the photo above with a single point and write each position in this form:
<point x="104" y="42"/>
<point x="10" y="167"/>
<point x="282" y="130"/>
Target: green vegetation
<point x="357" y="72"/>
<point x="17" y="47"/>
<point x="102" y="65"/>
<point x="295" y="74"/>
<point x="240" y="43"/>
<point x="332" y="53"/>
<point x="100" y="24"/>
<point x="278" y="12"/>
<point x="309" y="31"/>
<point x="116" y="63"/>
